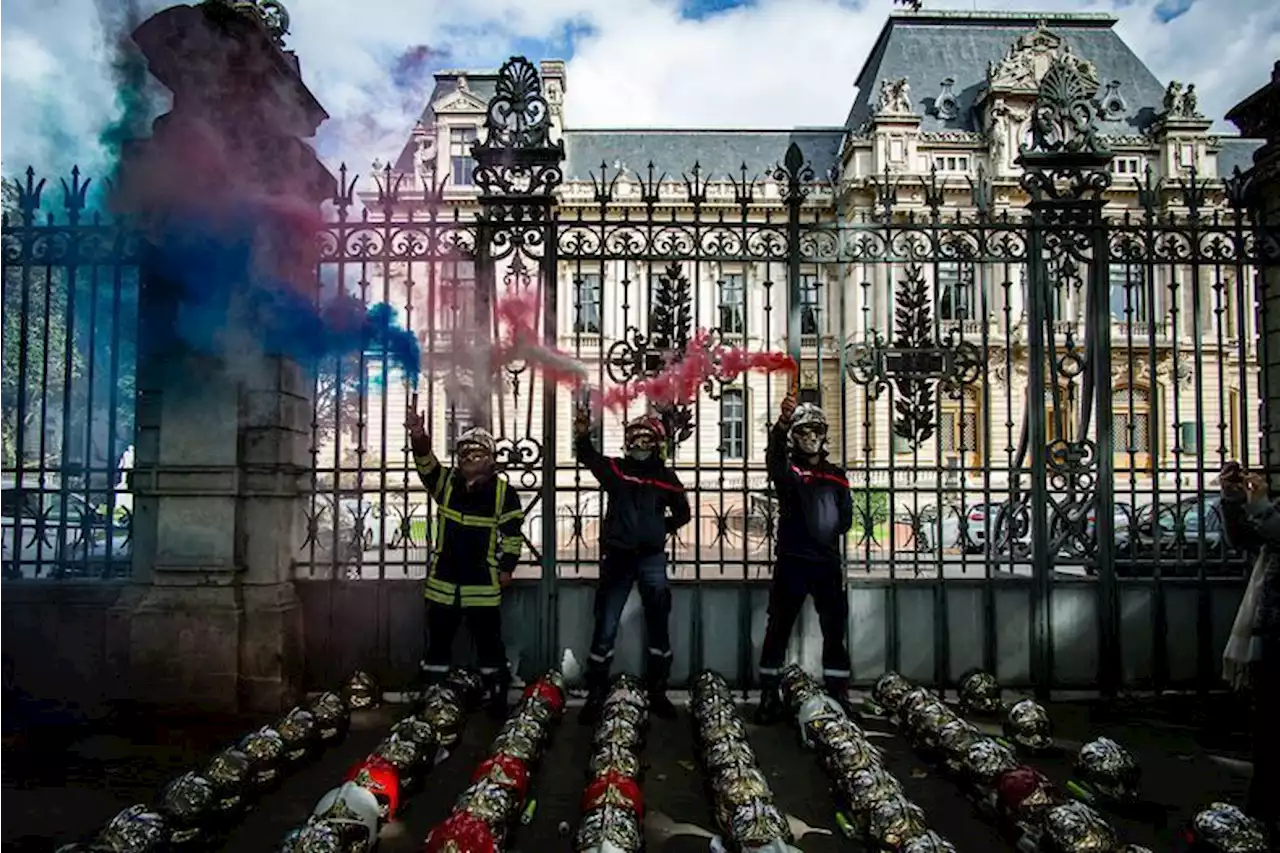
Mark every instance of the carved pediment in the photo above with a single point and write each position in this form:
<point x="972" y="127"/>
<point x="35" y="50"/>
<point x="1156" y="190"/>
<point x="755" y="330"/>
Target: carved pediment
<point x="461" y="101"/>
<point x="1029" y="58"/>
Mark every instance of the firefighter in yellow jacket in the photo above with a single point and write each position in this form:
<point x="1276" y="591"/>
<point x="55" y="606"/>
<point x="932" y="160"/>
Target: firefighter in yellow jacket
<point x="475" y="548"/>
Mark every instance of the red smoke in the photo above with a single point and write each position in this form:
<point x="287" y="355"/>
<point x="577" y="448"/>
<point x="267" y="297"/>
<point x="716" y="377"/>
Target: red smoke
<point x="680" y="382"/>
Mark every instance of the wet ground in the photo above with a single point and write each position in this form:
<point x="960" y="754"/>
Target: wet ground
<point x="63" y="782"/>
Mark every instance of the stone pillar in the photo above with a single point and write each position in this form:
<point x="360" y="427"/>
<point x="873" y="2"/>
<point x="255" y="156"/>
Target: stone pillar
<point x="211" y="618"/>
<point x="1258" y="117"/>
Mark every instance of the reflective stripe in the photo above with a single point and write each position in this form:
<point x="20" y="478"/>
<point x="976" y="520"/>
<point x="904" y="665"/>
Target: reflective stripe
<point x="428" y="465"/>
<point x="660" y="653"/>
<point x="439" y="597"/>
<point x="490" y="670"/>
<point x="433" y="667"/>
<point x="511" y="516"/>
<point x="768" y="670"/>
<point x="598" y="658"/>
<point x="643" y="481"/>
<point x="806" y="474"/>
<point x="467" y="520"/>
<point x="836" y="673"/>
<point x="512" y="545"/>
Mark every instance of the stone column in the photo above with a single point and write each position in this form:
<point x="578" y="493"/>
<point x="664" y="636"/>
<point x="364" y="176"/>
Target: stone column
<point x="211" y="620"/>
<point x="1258" y="117"/>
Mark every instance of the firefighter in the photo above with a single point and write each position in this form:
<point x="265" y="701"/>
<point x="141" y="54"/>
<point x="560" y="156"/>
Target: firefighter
<point x="476" y="546"/>
<point x="815" y="511"/>
<point x="647" y="503"/>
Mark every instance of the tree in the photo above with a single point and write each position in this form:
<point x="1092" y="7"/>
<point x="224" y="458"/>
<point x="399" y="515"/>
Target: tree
<point x="339" y="392"/>
<point x="32" y="338"/>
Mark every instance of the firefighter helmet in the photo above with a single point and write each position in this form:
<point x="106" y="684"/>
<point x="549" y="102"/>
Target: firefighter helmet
<point x="479" y="437"/>
<point x="805" y="421"/>
<point x="647" y="423"/>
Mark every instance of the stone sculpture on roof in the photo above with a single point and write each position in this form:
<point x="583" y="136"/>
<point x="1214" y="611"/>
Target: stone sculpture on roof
<point x="895" y="97"/>
<point x="1179" y="103"/>
<point x="1029" y="58"/>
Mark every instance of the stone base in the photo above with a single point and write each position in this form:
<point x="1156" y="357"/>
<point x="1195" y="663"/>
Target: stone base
<point x="213" y="649"/>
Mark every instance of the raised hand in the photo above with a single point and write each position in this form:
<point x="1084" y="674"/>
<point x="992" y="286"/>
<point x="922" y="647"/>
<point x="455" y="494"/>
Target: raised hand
<point x="1255" y="487"/>
<point x="581" y="421"/>
<point x="414" y="422"/>
<point x="788" y="407"/>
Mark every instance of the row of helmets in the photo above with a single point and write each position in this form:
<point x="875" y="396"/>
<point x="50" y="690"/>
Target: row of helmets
<point x="1029" y="807"/>
<point x="741" y="799"/>
<point x="1035" y="813"/>
<point x="498" y="795"/>
<point x="612" y="802"/>
<point x="201" y="804"/>
<point x="349" y="817"/>
<point x="873" y="806"/>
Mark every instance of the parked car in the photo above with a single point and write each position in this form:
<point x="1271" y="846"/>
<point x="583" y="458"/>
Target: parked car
<point x="1180" y="537"/>
<point x="52" y="533"/>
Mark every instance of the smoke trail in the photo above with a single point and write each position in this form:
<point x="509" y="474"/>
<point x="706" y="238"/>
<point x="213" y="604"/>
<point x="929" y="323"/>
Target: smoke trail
<point x="232" y="258"/>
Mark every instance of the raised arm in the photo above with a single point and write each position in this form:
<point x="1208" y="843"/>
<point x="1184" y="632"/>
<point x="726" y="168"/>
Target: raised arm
<point x="678" y="504"/>
<point x="586" y="451"/>
<point x="775" y="455"/>
<point x="433" y="474"/>
<point x="1249" y="516"/>
<point x="511" y="537"/>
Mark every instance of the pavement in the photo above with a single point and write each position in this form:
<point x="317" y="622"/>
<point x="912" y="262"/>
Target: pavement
<point x="63" y="783"/>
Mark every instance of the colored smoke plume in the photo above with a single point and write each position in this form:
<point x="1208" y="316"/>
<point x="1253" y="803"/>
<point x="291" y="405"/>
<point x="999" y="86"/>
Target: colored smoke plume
<point x="678" y="383"/>
<point x="228" y="198"/>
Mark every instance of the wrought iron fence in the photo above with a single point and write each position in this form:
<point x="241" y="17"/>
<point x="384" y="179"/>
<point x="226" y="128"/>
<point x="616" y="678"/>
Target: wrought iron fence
<point x="70" y="317"/>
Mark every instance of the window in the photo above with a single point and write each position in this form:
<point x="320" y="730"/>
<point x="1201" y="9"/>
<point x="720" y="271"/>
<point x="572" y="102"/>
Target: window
<point x="1060" y="415"/>
<point x="1190" y="435"/>
<point x="461" y="166"/>
<point x="956" y="295"/>
<point x="1128" y="294"/>
<point x="586" y="303"/>
<point x="1127" y="166"/>
<point x="732" y="305"/>
<point x="809" y="306"/>
<point x="733" y="423"/>
<point x="1131" y="421"/>
<point x="958" y="430"/>
<point x="951" y="162"/>
<point x="457" y="420"/>
<point x="901" y="444"/>
<point x="1233" y="423"/>
<point x="458" y="295"/>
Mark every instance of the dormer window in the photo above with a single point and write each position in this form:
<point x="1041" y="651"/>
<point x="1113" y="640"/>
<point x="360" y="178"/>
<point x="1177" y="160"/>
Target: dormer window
<point x="951" y="162"/>
<point x="1127" y="166"/>
<point x="461" y="166"/>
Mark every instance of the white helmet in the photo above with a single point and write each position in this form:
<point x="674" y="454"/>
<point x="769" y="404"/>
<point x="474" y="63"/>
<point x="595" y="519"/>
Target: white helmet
<point x="480" y="436"/>
<point x="816" y="707"/>
<point x="351" y="809"/>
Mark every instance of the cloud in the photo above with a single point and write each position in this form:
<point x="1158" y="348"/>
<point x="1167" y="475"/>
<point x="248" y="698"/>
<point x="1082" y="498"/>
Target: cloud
<point x="632" y="63"/>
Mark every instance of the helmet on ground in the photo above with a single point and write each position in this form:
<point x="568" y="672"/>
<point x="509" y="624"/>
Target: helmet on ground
<point x="1076" y="828"/>
<point x="462" y="832"/>
<point x="1108" y="769"/>
<point x="352" y="811"/>
<point x="1223" y="828"/>
<point x="979" y="693"/>
<point x="1027" y="724"/>
<point x="136" y="828"/>
<point x="381" y="779"/>
<point x="361" y="691"/>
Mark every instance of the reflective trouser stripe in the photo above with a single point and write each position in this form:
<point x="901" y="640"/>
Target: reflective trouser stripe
<point x="599" y="658"/>
<point x="768" y="670"/>
<point x="836" y="673"/>
<point x="660" y="653"/>
<point x="433" y="667"/>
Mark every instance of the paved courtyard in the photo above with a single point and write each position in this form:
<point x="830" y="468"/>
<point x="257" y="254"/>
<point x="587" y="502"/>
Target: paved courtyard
<point x="62" y="782"/>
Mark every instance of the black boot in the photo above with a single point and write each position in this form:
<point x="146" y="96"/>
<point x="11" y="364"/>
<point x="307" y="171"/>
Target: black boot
<point x="497" y="684"/>
<point x="597" y="692"/>
<point x="771" y="709"/>
<point x="838" y="689"/>
<point x="657" y="674"/>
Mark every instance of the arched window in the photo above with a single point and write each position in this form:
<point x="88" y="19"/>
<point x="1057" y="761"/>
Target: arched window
<point x="1132" y="426"/>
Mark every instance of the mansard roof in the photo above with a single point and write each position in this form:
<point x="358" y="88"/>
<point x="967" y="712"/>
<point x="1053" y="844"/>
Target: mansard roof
<point x="482" y="84"/>
<point x="928" y="47"/>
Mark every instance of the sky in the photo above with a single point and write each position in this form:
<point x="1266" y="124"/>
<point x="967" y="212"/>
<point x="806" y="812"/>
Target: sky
<point x="631" y="63"/>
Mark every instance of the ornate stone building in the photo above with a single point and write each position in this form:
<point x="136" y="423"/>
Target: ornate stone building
<point x="943" y="107"/>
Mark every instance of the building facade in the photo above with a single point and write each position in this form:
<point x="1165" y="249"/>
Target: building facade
<point x="944" y="107"/>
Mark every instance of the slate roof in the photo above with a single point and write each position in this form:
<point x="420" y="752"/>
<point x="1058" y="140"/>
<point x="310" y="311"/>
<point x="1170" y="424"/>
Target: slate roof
<point x="717" y="152"/>
<point x="927" y="47"/>
<point x="1236" y="152"/>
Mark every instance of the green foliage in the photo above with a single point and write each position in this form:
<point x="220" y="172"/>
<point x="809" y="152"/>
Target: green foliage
<point x="870" y="507"/>
<point x="36" y="386"/>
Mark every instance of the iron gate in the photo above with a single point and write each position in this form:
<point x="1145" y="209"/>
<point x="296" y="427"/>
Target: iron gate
<point x="1031" y="387"/>
<point x="1031" y="397"/>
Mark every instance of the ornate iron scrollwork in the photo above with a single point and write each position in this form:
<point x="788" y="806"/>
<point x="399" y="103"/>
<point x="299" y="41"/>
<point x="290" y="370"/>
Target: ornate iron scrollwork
<point x="917" y="364"/>
<point x="516" y="156"/>
<point x="641" y="356"/>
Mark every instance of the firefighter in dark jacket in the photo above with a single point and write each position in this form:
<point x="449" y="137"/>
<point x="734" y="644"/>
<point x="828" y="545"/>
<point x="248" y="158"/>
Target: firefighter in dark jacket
<point x="815" y="511"/>
<point x="647" y="503"/>
<point x="476" y="546"/>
